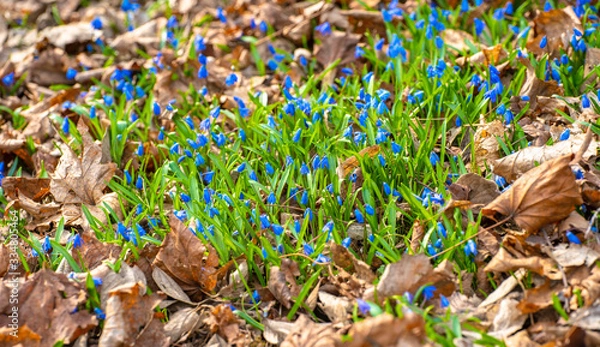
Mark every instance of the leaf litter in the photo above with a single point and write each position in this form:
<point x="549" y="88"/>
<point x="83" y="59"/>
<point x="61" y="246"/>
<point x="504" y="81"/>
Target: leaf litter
<point x="537" y="241"/>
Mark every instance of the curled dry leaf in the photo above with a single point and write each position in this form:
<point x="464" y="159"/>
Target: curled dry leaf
<point x="412" y="272"/>
<point x="225" y="323"/>
<point x="182" y="323"/>
<point x="571" y="255"/>
<point x="516" y="164"/>
<point x="508" y="320"/>
<point x="130" y="316"/>
<point x="387" y="330"/>
<point x="543" y="195"/>
<point x="276" y="331"/>
<point x="348" y="165"/>
<point x="485" y="143"/>
<point x="184" y="258"/>
<point x="343" y="258"/>
<point x="282" y="282"/>
<point x="540" y="297"/>
<point x="336" y="308"/>
<point x="513" y="256"/>
<point x="307" y="333"/>
<point x="51" y="309"/>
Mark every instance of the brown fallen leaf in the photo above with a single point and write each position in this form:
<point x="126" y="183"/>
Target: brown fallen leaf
<point x="387" y="330"/>
<point x="51" y="309"/>
<point x="534" y="87"/>
<point x="418" y="232"/>
<point x="412" y="272"/>
<point x="557" y="26"/>
<point x="129" y="315"/>
<point x="92" y="252"/>
<point x="226" y="324"/>
<point x="543" y="195"/>
<point x="282" y="282"/>
<point x="508" y="320"/>
<point x="348" y="165"/>
<point x="485" y="144"/>
<point x="182" y="323"/>
<point x="509" y="259"/>
<point x="81" y="180"/>
<point x="184" y="258"/>
<point x="516" y="164"/>
<point x="307" y="333"/>
<point x="336" y="308"/>
<point x="540" y="297"/>
<point x="343" y="258"/>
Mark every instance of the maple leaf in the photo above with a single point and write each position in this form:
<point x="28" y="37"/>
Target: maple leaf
<point x="81" y="180"/>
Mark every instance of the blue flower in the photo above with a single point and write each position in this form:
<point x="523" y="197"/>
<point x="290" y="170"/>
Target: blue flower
<point x="428" y="292"/>
<point x="573" y="238"/>
<point x="363" y="307"/>
<point x="464" y="6"/>
<point x="221" y="15"/>
<point x="297" y="135"/>
<point x="308" y="213"/>
<point x="71" y="74"/>
<point x="304" y="198"/>
<point x="369" y="210"/>
<point x="324" y="28"/>
<point x="269" y="169"/>
<point x="139" y="183"/>
<point x="444" y="301"/>
<point x="277" y="229"/>
<point x="543" y="42"/>
<point x="564" y="135"/>
<point x="308" y="249"/>
<point x="264" y="221"/>
<point x="471" y="248"/>
<point x="65" y="126"/>
<point x="585" y="101"/>
<point x="434" y="158"/>
<point x="304" y="170"/>
<point x="272" y="199"/>
<point x="156" y="108"/>
<point x="346" y="242"/>
<point x="172" y="22"/>
<point x="255" y="296"/>
<point x="231" y="80"/>
<point x="180" y="214"/>
<point x="359" y="216"/>
<point x="77" y="241"/>
<point x="185" y="198"/>
<point x="442" y="230"/>
<point x="46" y="245"/>
<point x="202" y="72"/>
<point x="98" y="311"/>
<point x="547" y="6"/>
<point x="321" y="259"/>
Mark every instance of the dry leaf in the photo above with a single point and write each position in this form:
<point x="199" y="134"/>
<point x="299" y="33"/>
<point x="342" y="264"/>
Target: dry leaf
<point x="387" y="330"/>
<point x="282" y="282"/>
<point x="184" y="258"/>
<point x="516" y="164"/>
<point x="485" y="143"/>
<point x="412" y="272"/>
<point x="508" y="319"/>
<point x="49" y="307"/>
<point x="348" y="165"/>
<point x="225" y="323"/>
<point x="343" y="258"/>
<point x="307" y="333"/>
<point x="543" y="195"/>
<point x="129" y="312"/>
